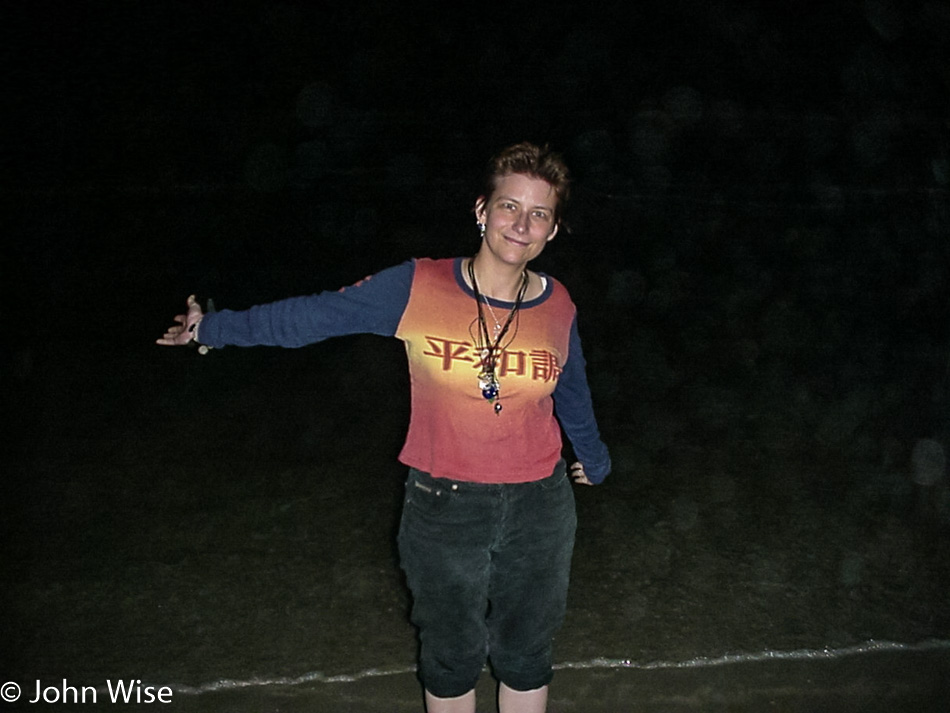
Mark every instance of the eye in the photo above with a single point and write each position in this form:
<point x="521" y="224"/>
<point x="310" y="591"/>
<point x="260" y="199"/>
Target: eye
<point x="542" y="215"/>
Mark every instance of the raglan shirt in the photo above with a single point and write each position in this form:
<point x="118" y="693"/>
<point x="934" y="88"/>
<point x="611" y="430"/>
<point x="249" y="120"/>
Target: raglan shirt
<point x="454" y="431"/>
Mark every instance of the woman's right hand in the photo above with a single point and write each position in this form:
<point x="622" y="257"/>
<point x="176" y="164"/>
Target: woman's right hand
<point x="183" y="332"/>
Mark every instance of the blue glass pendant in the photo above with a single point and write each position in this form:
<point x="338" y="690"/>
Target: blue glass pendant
<point x="488" y="383"/>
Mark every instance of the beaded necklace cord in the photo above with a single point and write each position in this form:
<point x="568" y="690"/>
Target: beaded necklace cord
<point x="490" y="349"/>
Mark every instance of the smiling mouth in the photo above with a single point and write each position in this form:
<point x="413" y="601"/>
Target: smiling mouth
<point x="516" y="241"/>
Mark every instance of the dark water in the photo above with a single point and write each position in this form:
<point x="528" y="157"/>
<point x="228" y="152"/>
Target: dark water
<point x="185" y="519"/>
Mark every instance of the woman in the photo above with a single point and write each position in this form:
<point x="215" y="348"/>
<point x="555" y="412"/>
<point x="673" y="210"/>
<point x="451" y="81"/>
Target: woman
<point x="488" y="522"/>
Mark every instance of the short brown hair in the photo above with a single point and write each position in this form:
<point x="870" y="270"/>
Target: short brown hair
<point x="535" y="161"/>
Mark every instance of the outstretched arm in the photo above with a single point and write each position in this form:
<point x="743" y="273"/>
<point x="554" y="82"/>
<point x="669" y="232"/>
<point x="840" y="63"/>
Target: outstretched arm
<point x="373" y="305"/>
<point x="183" y="332"/>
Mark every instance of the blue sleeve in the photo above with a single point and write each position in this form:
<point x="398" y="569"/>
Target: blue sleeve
<point x="374" y="306"/>
<point x="575" y="411"/>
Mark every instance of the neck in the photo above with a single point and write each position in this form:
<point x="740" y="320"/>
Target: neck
<point x="498" y="282"/>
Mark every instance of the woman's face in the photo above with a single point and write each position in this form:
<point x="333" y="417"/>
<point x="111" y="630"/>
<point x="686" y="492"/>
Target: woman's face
<point x="519" y="218"/>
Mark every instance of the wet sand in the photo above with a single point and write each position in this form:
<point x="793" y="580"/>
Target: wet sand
<point x="905" y="682"/>
<point x="260" y="557"/>
<point x="889" y="681"/>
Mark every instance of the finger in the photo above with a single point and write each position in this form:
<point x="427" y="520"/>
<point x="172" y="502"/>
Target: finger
<point x="180" y="333"/>
<point x="173" y="336"/>
<point x="195" y="313"/>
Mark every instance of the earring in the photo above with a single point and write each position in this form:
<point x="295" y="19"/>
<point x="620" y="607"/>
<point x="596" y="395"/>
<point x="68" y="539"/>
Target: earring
<point x="481" y="228"/>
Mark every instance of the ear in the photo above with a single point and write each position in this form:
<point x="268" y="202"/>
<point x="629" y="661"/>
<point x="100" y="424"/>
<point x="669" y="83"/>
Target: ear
<point x="553" y="232"/>
<point x="480" y="209"/>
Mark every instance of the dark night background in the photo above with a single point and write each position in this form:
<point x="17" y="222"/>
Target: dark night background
<point x="759" y="253"/>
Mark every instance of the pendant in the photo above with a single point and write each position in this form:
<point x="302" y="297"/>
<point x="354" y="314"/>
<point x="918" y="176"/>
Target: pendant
<point x="489" y="385"/>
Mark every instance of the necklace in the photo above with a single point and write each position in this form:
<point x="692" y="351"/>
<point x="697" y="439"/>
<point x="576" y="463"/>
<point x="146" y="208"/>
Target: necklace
<point x="489" y="346"/>
<point x="497" y="327"/>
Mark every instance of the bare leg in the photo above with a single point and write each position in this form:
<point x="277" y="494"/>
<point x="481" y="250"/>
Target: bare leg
<point x="512" y="701"/>
<point x="460" y="704"/>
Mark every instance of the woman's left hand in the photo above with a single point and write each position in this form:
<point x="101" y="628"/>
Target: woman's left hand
<point x="577" y="474"/>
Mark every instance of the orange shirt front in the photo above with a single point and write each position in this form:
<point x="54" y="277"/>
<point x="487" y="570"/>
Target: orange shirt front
<point x="454" y="431"/>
